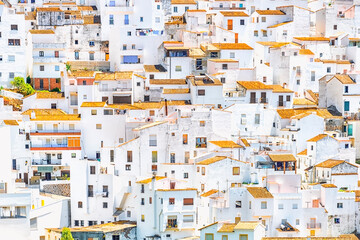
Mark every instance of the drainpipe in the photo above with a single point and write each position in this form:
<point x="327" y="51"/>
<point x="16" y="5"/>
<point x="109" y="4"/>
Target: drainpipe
<point x="154" y="199"/>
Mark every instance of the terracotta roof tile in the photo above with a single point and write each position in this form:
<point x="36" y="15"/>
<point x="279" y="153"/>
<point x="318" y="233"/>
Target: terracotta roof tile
<point x="282" y="157"/>
<point x="226" y="144"/>
<point x="259" y="192"/>
<point x="270" y="12"/>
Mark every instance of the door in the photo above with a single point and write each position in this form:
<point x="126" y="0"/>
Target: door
<point x="350" y="130"/>
<point x="106" y="56"/>
<point x="48" y="158"/>
<point x="26" y="180"/>
<point x="281" y="101"/>
<point x="236" y="37"/>
<point x="252" y="97"/>
<point x="230" y="24"/>
<point x="47" y="176"/>
<point x="346" y="106"/>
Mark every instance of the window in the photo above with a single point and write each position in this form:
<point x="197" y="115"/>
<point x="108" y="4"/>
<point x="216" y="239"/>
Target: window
<point x="186" y="175"/>
<point x="237" y="204"/>
<point x="126" y="19"/>
<point x="129" y="33"/>
<point x="76" y="223"/>
<point x="339" y="205"/>
<point x="335" y="27"/>
<point x="224" y="66"/>
<point x="92" y="169"/>
<point x="263" y="19"/>
<point x="76" y="42"/>
<point x="232" y="55"/>
<point x="90" y="191"/>
<point x="187" y="157"/>
<point x="98" y="126"/>
<point x="337" y="220"/>
<point x="129" y="156"/>
<point x="141" y="19"/>
<point x="80" y="205"/>
<point x="209" y="236"/>
<point x="172" y="157"/>
<point x="108" y="112"/>
<point x="152" y="141"/>
<point x="188" y="201"/>
<point x="91" y="56"/>
<point x="41" y="53"/>
<point x="128" y="167"/>
<point x="93" y="112"/>
<point x="297" y="222"/>
<point x="171" y="201"/>
<point x="14" y="42"/>
<point x="42" y="68"/>
<point x="73" y="155"/>
<point x="202" y="170"/>
<point x="264" y="205"/>
<point x="177" y="68"/>
<point x="223" y="80"/>
<point x="128" y="214"/>
<point x="295" y="206"/>
<point x="201" y="92"/>
<point x="143" y="218"/>
<point x="346" y="90"/>
<point x="281" y="206"/>
<point x="202" y="123"/>
<point x="242" y="22"/>
<point x="59" y="156"/>
<point x="243" y="237"/>
<point x="257" y="118"/>
<point x="154" y="156"/>
<point x="188" y="218"/>
<point x="157" y="19"/>
<point x="312" y="76"/>
<point x="14" y="27"/>
<point x="328" y="69"/>
<point x="175" y="9"/>
<point x="236" y="170"/>
<point x="256" y="33"/>
<point x="142" y="201"/>
<point x="57" y="68"/>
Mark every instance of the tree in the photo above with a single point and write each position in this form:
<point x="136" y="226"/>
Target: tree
<point x="66" y="234"/>
<point x="68" y="67"/>
<point x="18" y="82"/>
<point x="22" y="87"/>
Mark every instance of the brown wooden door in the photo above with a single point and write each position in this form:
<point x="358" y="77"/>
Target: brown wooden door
<point x="26" y="178"/>
<point x="252" y="97"/>
<point x="230" y="24"/>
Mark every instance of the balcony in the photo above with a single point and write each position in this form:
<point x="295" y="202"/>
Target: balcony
<point x="49" y="45"/>
<point x="48" y="59"/>
<point x="313" y="225"/>
<point x="55" y="132"/>
<point x="46" y="162"/>
<point x="41" y="147"/>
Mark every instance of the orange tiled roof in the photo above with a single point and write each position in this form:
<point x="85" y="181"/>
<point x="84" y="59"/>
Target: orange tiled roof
<point x="211" y="160"/>
<point x="306" y="52"/>
<point x="318" y="138"/>
<point x="209" y="193"/>
<point x="259" y="192"/>
<point x="232" y="46"/>
<point x="176" y="91"/>
<point x="93" y="104"/>
<point x="282" y="157"/>
<point x="270" y="12"/>
<point x="226" y="144"/>
<point x="329" y="185"/>
<point x="11" y="122"/>
<point x="279" y="24"/>
<point x="312" y="39"/>
<point x="183" y="2"/>
<point x="148" y="180"/>
<point x="234" y="14"/>
<point x="168" y="81"/>
<point x="303" y="153"/>
<point x="42" y="31"/>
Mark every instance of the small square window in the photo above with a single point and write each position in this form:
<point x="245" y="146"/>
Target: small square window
<point x="98" y="126"/>
<point x="105" y="205"/>
<point x="76" y="42"/>
<point x="73" y="155"/>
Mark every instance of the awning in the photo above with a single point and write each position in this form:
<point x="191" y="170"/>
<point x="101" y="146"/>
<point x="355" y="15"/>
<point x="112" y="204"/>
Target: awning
<point x="45" y="168"/>
<point x="118" y="212"/>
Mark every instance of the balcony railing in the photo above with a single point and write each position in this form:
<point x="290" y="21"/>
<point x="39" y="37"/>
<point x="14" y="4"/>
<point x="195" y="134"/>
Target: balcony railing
<point x="313" y="225"/>
<point x="48" y="145"/>
<point x="172" y="223"/>
<point x="45" y="162"/>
